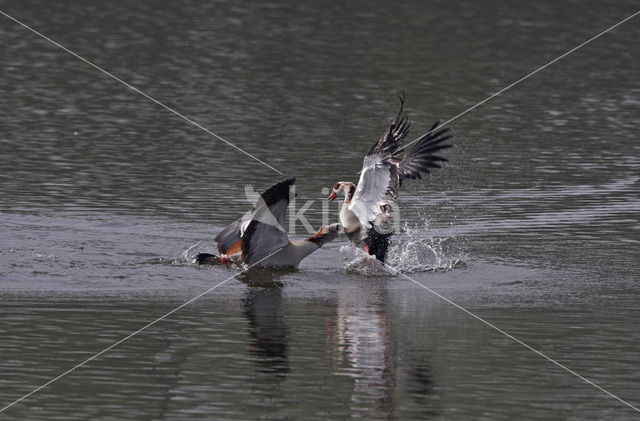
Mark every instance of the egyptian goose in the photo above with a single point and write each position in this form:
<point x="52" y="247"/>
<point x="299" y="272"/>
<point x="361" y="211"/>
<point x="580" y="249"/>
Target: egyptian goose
<point x="260" y="232"/>
<point x="367" y="214"/>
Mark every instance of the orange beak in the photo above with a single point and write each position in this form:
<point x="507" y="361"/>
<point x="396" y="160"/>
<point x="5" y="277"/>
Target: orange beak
<point x="332" y="197"/>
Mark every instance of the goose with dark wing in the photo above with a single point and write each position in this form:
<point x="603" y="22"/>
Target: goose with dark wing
<point x="370" y="207"/>
<point x="256" y="237"/>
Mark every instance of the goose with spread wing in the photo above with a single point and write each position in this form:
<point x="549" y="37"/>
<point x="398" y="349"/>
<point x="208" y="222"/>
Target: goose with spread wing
<point x="370" y="209"/>
<point x="258" y="237"/>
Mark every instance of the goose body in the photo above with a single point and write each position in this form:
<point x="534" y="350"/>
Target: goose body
<point x="370" y="207"/>
<point x="348" y="219"/>
<point x="259" y="239"/>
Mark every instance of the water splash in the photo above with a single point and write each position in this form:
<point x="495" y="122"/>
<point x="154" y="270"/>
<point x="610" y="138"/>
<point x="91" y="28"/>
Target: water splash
<point x="358" y="262"/>
<point x="410" y="255"/>
<point x="189" y="255"/>
<point x="416" y="248"/>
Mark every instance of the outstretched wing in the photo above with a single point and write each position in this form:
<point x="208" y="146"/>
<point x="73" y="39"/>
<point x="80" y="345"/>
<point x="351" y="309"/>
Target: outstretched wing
<point x="393" y="137"/>
<point x="372" y="190"/>
<point x="270" y="209"/>
<point x="379" y="182"/>
<point x="265" y="232"/>
<point x="421" y="157"/>
<point x="384" y="170"/>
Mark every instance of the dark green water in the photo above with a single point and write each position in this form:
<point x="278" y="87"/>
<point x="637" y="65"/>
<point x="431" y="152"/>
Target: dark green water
<point x="534" y="224"/>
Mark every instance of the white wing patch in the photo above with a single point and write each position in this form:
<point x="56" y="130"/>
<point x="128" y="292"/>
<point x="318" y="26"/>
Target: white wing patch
<point x="246" y="219"/>
<point x="371" y="191"/>
<point x="274" y="216"/>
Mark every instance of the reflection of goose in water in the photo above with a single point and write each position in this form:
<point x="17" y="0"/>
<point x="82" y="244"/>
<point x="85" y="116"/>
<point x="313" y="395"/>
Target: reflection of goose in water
<point x="419" y="381"/>
<point x="363" y="338"/>
<point x="268" y="329"/>
<point x="380" y="367"/>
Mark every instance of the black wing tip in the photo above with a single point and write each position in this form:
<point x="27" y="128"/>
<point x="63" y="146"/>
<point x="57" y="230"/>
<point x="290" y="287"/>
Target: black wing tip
<point x="248" y="232"/>
<point x="206" y="258"/>
<point x="402" y="97"/>
<point x="429" y="150"/>
<point x="288" y="182"/>
<point x="432" y="138"/>
<point x="421" y="158"/>
<point x="245" y="246"/>
<point x="395" y="133"/>
<point x="278" y="192"/>
<point x="400" y="121"/>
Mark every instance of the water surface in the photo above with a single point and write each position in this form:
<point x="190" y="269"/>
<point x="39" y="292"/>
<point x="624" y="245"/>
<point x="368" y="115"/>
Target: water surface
<point x="533" y="225"/>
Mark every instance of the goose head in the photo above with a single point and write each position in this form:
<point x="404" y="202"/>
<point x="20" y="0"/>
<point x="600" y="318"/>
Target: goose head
<point x="327" y="233"/>
<point x="342" y="188"/>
